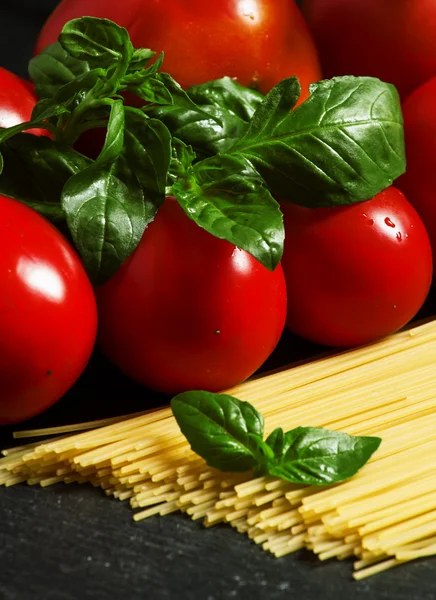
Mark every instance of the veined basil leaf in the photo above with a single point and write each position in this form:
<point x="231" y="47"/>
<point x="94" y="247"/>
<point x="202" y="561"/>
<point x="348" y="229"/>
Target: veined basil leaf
<point x="114" y="141"/>
<point x="99" y="42"/>
<point x="227" y="95"/>
<point x="221" y="429"/>
<point x="109" y="205"/>
<point x="316" y="456"/>
<point x="182" y="157"/>
<point x="36" y="170"/>
<point x="141" y="57"/>
<point x="342" y="145"/>
<point x="53" y="68"/>
<point x="225" y="196"/>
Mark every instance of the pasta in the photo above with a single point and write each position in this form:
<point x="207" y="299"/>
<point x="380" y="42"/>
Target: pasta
<point x="383" y="517"/>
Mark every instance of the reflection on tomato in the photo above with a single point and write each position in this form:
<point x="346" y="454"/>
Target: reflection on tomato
<point x="259" y="42"/>
<point x="188" y="310"/>
<point x="48" y="314"/>
<point x="16" y="101"/>
<point x="356" y="273"/>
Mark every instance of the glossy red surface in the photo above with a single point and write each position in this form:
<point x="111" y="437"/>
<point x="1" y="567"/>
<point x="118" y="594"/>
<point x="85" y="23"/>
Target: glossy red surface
<point x="190" y="311"/>
<point x="357" y="273"/>
<point x="259" y="42"/>
<point x="394" y="40"/>
<point x="16" y="101"/>
<point x="419" y="181"/>
<point x="47" y="313"/>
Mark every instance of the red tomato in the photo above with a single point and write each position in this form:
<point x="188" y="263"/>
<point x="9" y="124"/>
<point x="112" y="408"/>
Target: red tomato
<point x="16" y="101"/>
<point x="394" y="40"/>
<point x="47" y="313"/>
<point x="356" y="273"/>
<point x="259" y="42"/>
<point x="419" y="181"/>
<point x="190" y="311"/>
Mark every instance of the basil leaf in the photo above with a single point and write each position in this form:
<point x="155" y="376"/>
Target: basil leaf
<point x="343" y="144"/>
<point x="221" y="429"/>
<point x="114" y="141"/>
<point x="316" y="456"/>
<point x="215" y="117"/>
<point x="276" y="441"/>
<point x="109" y="205"/>
<point x="225" y="196"/>
<point x="53" y="68"/>
<point x="226" y="94"/>
<point x="140" y="58"/>
<point x="36" y="170"/>
<point x="182" y="157"/>
<point x="99" y="42"/>
<point x="150" y="89"/>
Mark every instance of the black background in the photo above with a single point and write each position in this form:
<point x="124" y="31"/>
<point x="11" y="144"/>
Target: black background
<point x="71" y="542"/>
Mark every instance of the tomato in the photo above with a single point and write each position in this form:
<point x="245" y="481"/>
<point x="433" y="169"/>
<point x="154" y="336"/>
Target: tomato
<point x="355" y="273"/>
<point x="259" y="42"/>
<point x="419" y="181"/>
<point x="16" y="101"/>
<point x="394" y="40"/>
<point x="47" y="313"/>
<point x="188" y="310"/>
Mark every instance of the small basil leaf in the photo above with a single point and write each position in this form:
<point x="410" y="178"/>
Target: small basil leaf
<point x="114" y="141"/>
<point x="343" y="144"/>
<point x="99" y="42"/>
<point x="53" y="68"/>
<point x="225" y="196"/>
<point x="140" y="58"/>
<point x="226" y="94"/>
<point x="45" y="110"/>
<point x="182" y="157"/>
<point x="221" y="429"/>
<point x="276" y="441"/>
<point x="150" y="89"/>
<point x="36" y="170"/>
<point x="316" y="456"/>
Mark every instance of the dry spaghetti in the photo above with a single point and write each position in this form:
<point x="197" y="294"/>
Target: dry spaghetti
<point x="383" y="517"/>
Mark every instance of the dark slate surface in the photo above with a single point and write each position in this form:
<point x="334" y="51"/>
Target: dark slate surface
<point x="73" y="543"/>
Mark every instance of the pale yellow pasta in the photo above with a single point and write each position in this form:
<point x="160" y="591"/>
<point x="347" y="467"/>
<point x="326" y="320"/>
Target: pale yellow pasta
<point x="384" y="517"/>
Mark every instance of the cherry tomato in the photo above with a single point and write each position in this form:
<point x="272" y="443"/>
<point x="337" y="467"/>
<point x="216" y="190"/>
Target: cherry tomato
<point x="16" y="101"/>
<point x="188" y="310"/>
<point x="356" y="273"/>
<point x="259" y="42"/>
<point x="419" y="181"/>
<point x="394" y="40"/>
<point x="47" y="313"/>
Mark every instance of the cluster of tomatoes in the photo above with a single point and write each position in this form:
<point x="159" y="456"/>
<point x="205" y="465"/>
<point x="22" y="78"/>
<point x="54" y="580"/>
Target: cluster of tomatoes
<point x="190" y="311"/>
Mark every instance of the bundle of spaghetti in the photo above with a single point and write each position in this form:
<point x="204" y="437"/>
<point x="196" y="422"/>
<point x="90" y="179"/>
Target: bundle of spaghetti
<point x="383" y="517"/>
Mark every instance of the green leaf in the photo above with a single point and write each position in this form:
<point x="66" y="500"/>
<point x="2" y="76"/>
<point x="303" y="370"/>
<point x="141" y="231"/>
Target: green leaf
<point x="36" y="170"/>
<point x="99" y="42"/>
<point x="213" y="118"/>
<point x="150" y="89"/>
<point x="141" y="57"/>
<point x="53" y="68"/>
<point x="276" y="441"/>
<point x="316" y="456"/>
<point x="221" y="429"/>
<point x="226" y="94"/>
<point x="225" y="196"/>
<point x="182" y="157"/>
<point x="109" y="205"/>
<point x="342" y="145"/>
<point x="114" y="141"/>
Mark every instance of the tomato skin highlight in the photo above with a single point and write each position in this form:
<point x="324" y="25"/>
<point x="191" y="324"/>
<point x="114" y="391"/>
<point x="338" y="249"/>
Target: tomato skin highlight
<point x="419" y="181"/>
<point x="357" y="273"/>
<point x="188" y="310"/>
<point x="259" y="42"/>
<point x="48" y="316"/>
<point x="394" y="40"/>
<point x="16" y="101"/>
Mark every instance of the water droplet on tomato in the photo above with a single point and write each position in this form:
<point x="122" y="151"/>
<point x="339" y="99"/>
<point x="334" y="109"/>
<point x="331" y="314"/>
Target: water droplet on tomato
<point x="389" y="222"/>
<point x="399" y="236"/>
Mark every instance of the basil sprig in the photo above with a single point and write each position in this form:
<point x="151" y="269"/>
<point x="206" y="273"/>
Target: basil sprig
<point x="229" y="435"/>
<point x="223" y="150"/>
